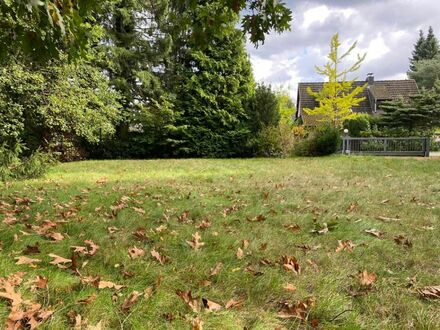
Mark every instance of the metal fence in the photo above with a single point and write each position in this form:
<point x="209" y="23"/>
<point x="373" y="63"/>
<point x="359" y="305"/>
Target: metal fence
<point x="386" y="146"/>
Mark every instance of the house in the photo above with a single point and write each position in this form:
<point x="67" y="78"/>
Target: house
<point x="375" y="93"/>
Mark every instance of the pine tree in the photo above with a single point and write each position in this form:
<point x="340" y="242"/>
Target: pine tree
<point x="431" y="47"/>
<point x="419" y="114"/>
<point x="337" y="97"/>
<point x="212" y="84"/>
<point x="424" y="49"/>
<point x="418" y="52"/>
<point x="133" y="55"/>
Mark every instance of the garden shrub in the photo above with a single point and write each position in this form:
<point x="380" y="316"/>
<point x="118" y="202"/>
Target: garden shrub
<point x="324" y="140"/>
<point x="276" y="141"/>
<point x="14" y="166"/>
<point x="358" y="126"/>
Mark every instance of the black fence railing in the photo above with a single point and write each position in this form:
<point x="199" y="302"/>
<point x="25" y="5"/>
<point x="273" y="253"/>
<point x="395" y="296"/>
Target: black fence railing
<point x="386" y="146"/>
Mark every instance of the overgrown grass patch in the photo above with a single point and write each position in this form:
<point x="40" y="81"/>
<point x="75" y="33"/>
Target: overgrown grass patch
<point x="165" y="202"/>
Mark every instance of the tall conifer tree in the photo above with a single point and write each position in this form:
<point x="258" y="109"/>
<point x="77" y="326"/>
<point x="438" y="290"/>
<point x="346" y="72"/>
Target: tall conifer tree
<point x="212" y="84"/>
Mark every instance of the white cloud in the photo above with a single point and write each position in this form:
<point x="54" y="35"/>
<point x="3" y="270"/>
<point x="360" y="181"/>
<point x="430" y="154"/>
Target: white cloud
<point x="317" y="14"/>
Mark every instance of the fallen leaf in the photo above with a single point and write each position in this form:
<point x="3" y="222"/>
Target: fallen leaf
<point x="130" y="301"/>
<point x="93" y="248"/>
<point x="216" y="269"/>
<point x="148" y="292"/>
<point x="55" y="236"/>
<point x="59" y="261"/>
<point x="291" y="264"/>
<point x="289" y="287"/>
<point x="430" y="292"/>
<point x="404" y="241"/>
<point x="112" y="230"/>
<point x="88" y="299"/>
<point x="211" y="305"/>
<point x="193" y="303"/>
<point x="27" y="261"/>
<point x="39" y="282"/>
<point x="109" y="285"/>
<point x="162" y="259"/>
<point x="366" y="279"/>
<point x="345" y="245"/>
<point x="197" y="323"/>
<point x="387" y="219"/>
<point x="258" y="218"/>
<point x="374" y="232"/>
<point x="135" y="252"/>
<point x="138" y="210"/>
<point x="352" y="207"/>
<point x="239" y="253"/>
<point x="299" y="309"/>
<point x="293" y="228"/>
<point x="234" y="303"/>
<point x="204" y="224"/>
<point x="245" y="244"/>
<point x="184" y="216"/>
<point x="195" y="243"/>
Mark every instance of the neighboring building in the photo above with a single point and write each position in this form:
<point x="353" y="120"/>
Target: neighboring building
<point x="375" y="93"/>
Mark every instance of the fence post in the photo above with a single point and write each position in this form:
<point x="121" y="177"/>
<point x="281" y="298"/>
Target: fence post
<point x="385" y="145"/>
<point x="427" y="145"/>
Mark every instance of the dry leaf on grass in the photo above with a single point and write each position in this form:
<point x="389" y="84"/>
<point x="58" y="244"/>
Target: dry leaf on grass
<point x="289" y="287"/>
<point x="345" y="245"/>
<point x="245" y="244"/>
<point x="135" y="252"/>
<point x="59" y="261"/>
<point x="352" y="207"/>
<point x="216" y="269"/>
<point x="387" y="219"/>
<point x="234" y="303"/>
<point x="299" y="309"/>
<point x="258" y="218"/>
<point x="88" y="299"/>
<point x="22" y="260"/>
<point x="162" y="259"/>
<point x="197" y="323"/>
<point x="130" y="301"/>
<point x="404" y="241"/>
<point x="291" y="264"/>
<point x="204" y="224"/>
<point x="109" y="285"/>
<point x="293" y="228"/>
<point x="39" y="282"/>
<point x="374" y="232"/>
<point x="430" y="292"/>
<point x="55" y="236"/>
<point x="195" y="243"/>
<point x="211" y="306"/>
<point x="367" y="279"/>
<point x="193" y="303"/>
<point x="239" y="254"/>
<point x="112" y="229"/>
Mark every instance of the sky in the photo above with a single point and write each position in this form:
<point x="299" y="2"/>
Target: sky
<point x="385" y="29"/>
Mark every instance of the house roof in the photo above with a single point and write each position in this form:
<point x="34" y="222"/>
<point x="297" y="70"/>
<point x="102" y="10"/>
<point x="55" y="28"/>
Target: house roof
<point x="379" y="90"/>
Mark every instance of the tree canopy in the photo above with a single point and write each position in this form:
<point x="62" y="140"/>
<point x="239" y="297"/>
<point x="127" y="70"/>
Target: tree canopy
<point x="41" y="29"/>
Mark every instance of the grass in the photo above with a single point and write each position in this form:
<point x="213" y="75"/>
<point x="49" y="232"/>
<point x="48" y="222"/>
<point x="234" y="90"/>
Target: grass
<point x="351" y="193"/>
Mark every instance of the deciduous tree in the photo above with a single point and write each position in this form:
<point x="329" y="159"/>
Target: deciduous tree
<point x="337" y="97"/>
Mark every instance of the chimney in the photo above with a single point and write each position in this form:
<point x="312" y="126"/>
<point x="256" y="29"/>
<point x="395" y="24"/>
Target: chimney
<point x="370" y="79"/>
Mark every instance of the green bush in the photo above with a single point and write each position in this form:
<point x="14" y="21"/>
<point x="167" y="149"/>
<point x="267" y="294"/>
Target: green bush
<point x="358" y="126"/>
<point x="13" y="166"/>
<point x="324" y="140"/>
<point x="274" y="141"/>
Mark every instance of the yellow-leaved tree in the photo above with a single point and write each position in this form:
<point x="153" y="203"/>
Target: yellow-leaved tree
<point x="338" y="96"/>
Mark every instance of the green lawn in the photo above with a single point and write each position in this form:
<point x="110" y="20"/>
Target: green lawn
<point x="268" y="208"/>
